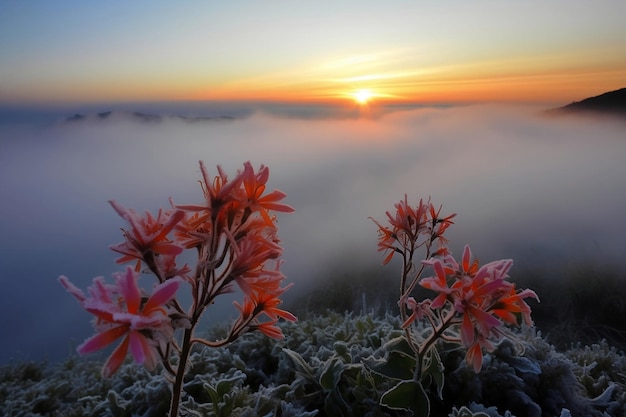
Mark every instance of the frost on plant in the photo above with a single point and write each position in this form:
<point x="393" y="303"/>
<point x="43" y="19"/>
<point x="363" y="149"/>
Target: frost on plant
<point x="471" y="307"/>
<point x="234" y="234"/>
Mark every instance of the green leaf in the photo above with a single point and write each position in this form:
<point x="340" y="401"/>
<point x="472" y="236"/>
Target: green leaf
<point x="215" y="398"/>
<point x="331" y="374"/>
<point x="399" y="344"/>
<point x="407" y="396"/>
<point x="397" y="365"/>
<point x="225" y="386"/>
<point x="434" y="369"/>
<point x="302" y="367"/>
<point x="342" y="350"/>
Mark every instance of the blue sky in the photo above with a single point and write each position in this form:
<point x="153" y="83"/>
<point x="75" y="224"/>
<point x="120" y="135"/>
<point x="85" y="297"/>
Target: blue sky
<point x="76" y="51"/>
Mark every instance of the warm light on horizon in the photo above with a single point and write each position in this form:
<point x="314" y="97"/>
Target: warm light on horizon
<point x="363" y="96"/>
<point x="383" y="57"/>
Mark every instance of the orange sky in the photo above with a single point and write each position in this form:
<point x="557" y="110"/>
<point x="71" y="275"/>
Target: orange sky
<point x="420" y="51"/>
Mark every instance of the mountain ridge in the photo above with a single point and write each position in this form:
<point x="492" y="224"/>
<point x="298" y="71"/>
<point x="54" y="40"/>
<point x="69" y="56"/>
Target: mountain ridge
<point x="141" y="117"/>
<point x="609" y="103"/>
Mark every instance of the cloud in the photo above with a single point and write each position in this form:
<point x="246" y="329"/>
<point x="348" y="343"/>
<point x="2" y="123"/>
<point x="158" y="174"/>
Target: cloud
<point x="523" y="186"/>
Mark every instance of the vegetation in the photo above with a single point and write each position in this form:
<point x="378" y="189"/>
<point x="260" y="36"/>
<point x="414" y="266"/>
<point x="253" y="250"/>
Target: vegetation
<point x="329" y="365"/>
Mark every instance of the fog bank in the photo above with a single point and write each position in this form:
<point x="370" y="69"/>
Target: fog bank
<point x="538" y="190"/>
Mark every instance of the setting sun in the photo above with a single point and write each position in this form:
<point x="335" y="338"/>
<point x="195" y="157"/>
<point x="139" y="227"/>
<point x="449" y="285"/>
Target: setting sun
<point x="362" y="96"/>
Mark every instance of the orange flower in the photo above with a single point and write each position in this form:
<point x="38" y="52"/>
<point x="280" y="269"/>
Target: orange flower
<point x="412" y="227"/>
<point x="253" y="198"/>
<point x="257" y="304"/>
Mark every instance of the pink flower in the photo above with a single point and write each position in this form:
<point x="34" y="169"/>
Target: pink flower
<point x="147" y="235"/>
<point x="419" y="310"/>
<point x="474" y="354"/>
<point x="121" y="312"/>
<point x="438" y="282"/>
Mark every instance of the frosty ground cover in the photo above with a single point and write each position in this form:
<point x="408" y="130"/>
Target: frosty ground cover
<point x="329" y="364"/>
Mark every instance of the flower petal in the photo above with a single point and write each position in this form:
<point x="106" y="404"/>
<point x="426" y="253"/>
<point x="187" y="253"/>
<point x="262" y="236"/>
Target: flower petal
<point x="72" y="289"/>
<point x="162" y="294"/>
<point x="127" y="284"/>
<point x="137" y="347"/>
<point x="101" y="340"/>
<point x="116" y="359"/>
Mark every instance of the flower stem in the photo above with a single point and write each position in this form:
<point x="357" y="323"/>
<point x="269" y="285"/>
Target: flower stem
<point x="180" y="373"/>
<point x="437" y="333"/>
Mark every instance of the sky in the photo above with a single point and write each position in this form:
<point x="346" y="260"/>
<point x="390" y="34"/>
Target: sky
<point x="73" y="51"/>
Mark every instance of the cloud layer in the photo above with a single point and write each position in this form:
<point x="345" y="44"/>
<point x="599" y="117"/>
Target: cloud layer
<point x="538" y="190"/>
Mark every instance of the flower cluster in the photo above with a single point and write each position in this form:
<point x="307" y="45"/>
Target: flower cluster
<point x="473" y="303"/>
<point x="234" y="234"/>
<point x="121" y="311"/>
<point x="481" y="296"/>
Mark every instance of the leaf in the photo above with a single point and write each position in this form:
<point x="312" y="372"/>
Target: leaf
<point x="399" y="344"/>
<point x="466" y="412"/>
<point x="407" y="396"/>
<point x="225" y="386"/>
<point x="524" y="365"/>
<point x="302" y="367"/>
<point x="335" y="405"/>
<point x="434" y="368"/>
<point x="331" y="374"/>
<point x="397" y="365"/>
<point x="341" y="349"/>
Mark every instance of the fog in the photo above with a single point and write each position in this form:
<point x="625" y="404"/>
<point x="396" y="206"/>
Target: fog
<point x="535" y="189"/>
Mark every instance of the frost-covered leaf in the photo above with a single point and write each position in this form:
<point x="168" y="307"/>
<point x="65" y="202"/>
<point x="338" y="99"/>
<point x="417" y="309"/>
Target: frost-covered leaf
<point x="466" y="412"/>
<point x="407" y="396"/>
<point x="331" y="374"/>
<point x="341" y="350"/>
<point x="434" y="369"/>
<point x="397" y="365"/>
<point x="524" y="365"/>
<point x="302" y="367"/>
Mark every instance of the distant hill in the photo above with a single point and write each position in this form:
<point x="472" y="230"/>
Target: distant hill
<point x="140" y="117"/>
<point x="611" y="103"/>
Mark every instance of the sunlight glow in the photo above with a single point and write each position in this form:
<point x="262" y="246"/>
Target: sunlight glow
<point x="363" y="96"/>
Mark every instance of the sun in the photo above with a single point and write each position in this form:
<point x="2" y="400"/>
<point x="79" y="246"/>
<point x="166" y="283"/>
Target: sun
<point x="362" y="96"/>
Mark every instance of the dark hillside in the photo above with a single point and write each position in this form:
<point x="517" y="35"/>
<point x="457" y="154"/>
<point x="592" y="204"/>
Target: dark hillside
<point x="611" y="103"/>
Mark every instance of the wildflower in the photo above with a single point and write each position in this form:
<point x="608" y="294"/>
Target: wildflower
<point x="254" y="186"/>
<point x="474" y="354"/>
<point x="120" y="311"/>
<point x="440" y="225"/>
<point x="264" y="303"/>
<point x="419" y="310"/>
<point x="386" y="241"/>
<point x="251" y="253"/>
<point x="408" y="222"/>
<point x="147" y="235"/>
<point x="194" y="230"/>
<point x="438" y="282"/>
